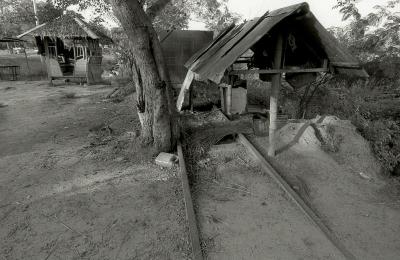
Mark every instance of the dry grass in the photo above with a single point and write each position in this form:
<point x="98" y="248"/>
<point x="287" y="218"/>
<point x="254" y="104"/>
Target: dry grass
<point x="197" y="140"/>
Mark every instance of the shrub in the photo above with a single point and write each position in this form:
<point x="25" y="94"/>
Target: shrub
<point x="372" y="107"/>
<point x="384" y="136"/>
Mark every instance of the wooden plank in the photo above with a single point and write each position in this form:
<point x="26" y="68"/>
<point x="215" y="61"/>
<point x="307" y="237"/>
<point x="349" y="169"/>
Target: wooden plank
<point x="277" y="71"/>
<point x="208" y="66"/>
<point x="67" y="77"/>
<point x="31" y="30"/>
<point x="191" y="217"/>
<point x="350" y="65"/>
<point x="185" y="87"/>
<point x="273" y="101"/>
<point x="303" y="206"/>
<point x="198" y="54"/>
<point x="211" y="54"/>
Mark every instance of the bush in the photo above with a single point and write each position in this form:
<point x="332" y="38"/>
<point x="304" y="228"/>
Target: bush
<point x="372" y="107"/>
<point x="384" y="136"/>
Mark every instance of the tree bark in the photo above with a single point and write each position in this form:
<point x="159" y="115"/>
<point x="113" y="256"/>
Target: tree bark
<point x="152" y="77"/>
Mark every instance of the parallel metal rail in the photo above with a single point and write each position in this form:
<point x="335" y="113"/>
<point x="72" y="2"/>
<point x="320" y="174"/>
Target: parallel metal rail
<point x="190" y="215"/>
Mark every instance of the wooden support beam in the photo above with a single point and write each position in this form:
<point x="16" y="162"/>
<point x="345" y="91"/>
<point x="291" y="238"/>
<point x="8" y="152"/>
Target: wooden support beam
<point x="243" y="61"/>
<point x="346" y="65"/>
<point x="191" y="106"/>
<point x="228" y="96"/>
<point x="277" y="71"/>
<point x="222" y="93"/>
<point x="185" y="87"/>
<point x="47" y="57"/>
<point x="273" y="101"/>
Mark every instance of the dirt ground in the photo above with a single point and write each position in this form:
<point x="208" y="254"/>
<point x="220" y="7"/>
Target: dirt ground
<point x="33" y="70"/>
<point x="243" y="214"/>
<point x="75" y="183"/>
<point x="344" y="186"/>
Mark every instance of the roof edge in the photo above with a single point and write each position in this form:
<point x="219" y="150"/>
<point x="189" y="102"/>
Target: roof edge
<point x="31" y="30"/>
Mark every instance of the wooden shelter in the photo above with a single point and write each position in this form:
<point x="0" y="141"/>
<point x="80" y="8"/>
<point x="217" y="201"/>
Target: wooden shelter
<point x="71" y="47"/>
<point x="288" y="41"/>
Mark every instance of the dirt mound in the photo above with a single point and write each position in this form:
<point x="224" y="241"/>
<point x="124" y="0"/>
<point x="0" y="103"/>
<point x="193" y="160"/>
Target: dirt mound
<point x="339" y="138"/>
<point x="298" y="133"/>
<point x="343" y="184"/>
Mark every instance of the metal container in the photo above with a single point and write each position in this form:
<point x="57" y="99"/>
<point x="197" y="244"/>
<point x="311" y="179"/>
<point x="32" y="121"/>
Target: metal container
<point x="260" y="125"/>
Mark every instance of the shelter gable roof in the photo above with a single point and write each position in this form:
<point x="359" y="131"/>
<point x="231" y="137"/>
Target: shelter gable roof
<point x="213" y="60"/>
<point x="66" y="26"/>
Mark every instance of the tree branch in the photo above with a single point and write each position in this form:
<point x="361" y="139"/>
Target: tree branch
<point x="157" y="7"/>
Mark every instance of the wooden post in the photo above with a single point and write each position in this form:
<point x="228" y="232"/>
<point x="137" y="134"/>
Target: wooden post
<point x="228" y="99"/>
<point x="55" y="49"/>
<point x="74" y="49"/>
<point x="191" y="99"/>
<point x="27" y="63"/>
<point x="222" y="93"/>
<point x="47" y="57"/>
<point x="273" y="103"/>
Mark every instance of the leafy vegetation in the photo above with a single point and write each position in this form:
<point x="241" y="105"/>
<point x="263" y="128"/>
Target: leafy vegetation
<point x="17" y="16"/>
<point x="371" y="37"/>
<point x="372" y="105"/>
<point x="371" y="109"/>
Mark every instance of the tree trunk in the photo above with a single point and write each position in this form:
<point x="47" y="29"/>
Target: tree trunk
<point x="152" y="78"/>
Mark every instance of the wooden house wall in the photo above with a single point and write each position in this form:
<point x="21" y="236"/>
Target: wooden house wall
<point x="178" y="47"/>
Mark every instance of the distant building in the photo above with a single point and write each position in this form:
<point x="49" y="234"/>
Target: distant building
<point x="71" y="47"/>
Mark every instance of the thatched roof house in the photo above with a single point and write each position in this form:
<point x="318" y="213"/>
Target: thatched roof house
<point x="68" y="26"/>
<point x="71" y="46"/>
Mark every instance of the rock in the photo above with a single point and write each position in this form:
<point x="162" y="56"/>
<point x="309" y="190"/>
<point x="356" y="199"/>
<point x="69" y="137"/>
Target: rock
<point x="166" y="160"/>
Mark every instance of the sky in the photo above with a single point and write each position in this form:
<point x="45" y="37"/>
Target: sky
<point x="322" y="9"/>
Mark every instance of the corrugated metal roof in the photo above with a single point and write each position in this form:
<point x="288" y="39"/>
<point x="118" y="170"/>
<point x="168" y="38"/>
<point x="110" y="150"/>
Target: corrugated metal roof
<point x="178" y="46"/>
<point x="212" y="61"/>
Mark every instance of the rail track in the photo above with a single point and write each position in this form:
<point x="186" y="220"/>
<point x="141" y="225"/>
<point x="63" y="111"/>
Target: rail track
<point x="309" y="212"/>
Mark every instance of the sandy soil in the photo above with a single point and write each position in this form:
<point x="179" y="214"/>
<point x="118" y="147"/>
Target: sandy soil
<point x="243" y="214"/>
<point x="345" y="187"/>
<point x="75" y="183"/>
